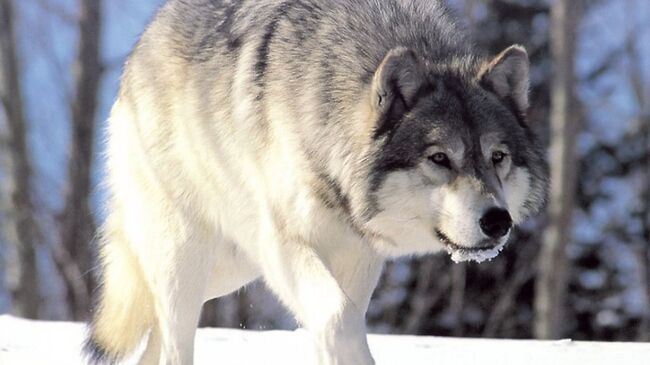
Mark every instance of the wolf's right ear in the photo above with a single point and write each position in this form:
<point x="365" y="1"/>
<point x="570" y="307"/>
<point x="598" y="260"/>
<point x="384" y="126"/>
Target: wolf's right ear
<point x="395" y="84"/>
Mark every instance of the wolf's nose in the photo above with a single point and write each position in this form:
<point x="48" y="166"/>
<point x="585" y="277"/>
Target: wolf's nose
<point x="496" y="222"/>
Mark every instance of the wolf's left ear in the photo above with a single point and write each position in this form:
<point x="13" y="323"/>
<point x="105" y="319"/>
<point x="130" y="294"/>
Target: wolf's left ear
<point x="395" y="84"/>
<point x="507" y="75"/>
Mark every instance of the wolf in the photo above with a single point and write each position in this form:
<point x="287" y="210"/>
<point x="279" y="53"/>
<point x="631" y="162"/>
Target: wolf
<point x="304" y="142"/>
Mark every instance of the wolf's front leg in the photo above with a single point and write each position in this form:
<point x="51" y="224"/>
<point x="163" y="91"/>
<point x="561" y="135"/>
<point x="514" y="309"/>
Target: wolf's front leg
<point x="328" y="291"/>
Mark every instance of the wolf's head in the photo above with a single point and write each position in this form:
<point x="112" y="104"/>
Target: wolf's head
<point x="453" y="162"/>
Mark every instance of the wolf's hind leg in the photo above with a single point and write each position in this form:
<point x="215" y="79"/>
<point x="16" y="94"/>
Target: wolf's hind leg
<point x="177" y="301"/>
<point x="178" y="254"/>
<point x="230" y="272"/>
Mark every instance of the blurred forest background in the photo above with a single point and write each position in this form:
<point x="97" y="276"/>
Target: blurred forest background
<point x="582" y="270"/>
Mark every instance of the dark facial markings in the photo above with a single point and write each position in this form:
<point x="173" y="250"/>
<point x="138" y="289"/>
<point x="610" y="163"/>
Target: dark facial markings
<point x="402" y="146"/>
<point x="467" y="111"/>
<point x="520" y="138"/>
<point x="473" y="151"/>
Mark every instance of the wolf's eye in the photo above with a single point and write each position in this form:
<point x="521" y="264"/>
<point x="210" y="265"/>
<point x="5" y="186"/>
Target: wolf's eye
<point x="498" y="157"/>
<point x="441" y="159"/>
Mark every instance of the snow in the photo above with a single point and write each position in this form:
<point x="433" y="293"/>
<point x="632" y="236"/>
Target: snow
<point x="24" y="342"/>
<point x="477" y="256"/>
<point x="461" y="255"/>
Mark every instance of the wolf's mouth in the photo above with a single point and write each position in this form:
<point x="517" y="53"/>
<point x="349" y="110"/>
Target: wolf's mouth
<point x="485" y="250"/>
<point x="487" y="245"/>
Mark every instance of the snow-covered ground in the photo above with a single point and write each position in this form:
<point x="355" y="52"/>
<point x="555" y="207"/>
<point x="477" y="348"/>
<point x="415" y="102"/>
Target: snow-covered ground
<point x="24" y="342"/>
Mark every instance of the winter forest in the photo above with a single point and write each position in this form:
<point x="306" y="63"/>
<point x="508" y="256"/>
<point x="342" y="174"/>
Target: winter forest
<point x="581" y="270"/>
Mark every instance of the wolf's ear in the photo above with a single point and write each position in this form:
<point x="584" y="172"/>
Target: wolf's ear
<point x="507" y="75"/>
<point x="397" y="80"/>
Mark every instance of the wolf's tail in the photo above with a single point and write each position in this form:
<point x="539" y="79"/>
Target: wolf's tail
<point x="123" y="310"/>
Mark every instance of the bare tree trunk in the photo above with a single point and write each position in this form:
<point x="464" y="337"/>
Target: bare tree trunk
<point x="643" y="262"/>
<point x="457" y="297"/>
<point x="636" y="78"/>
<point x="20" y="228"/>
<point x="432" y="284"/>
<point x="504" y="304"/>
<point x="77" y="225"/>
<point x="643" y="248"/>
<point x="552" y="277"/>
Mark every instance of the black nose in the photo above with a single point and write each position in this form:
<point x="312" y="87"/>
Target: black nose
<point x="496" y="222"/>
